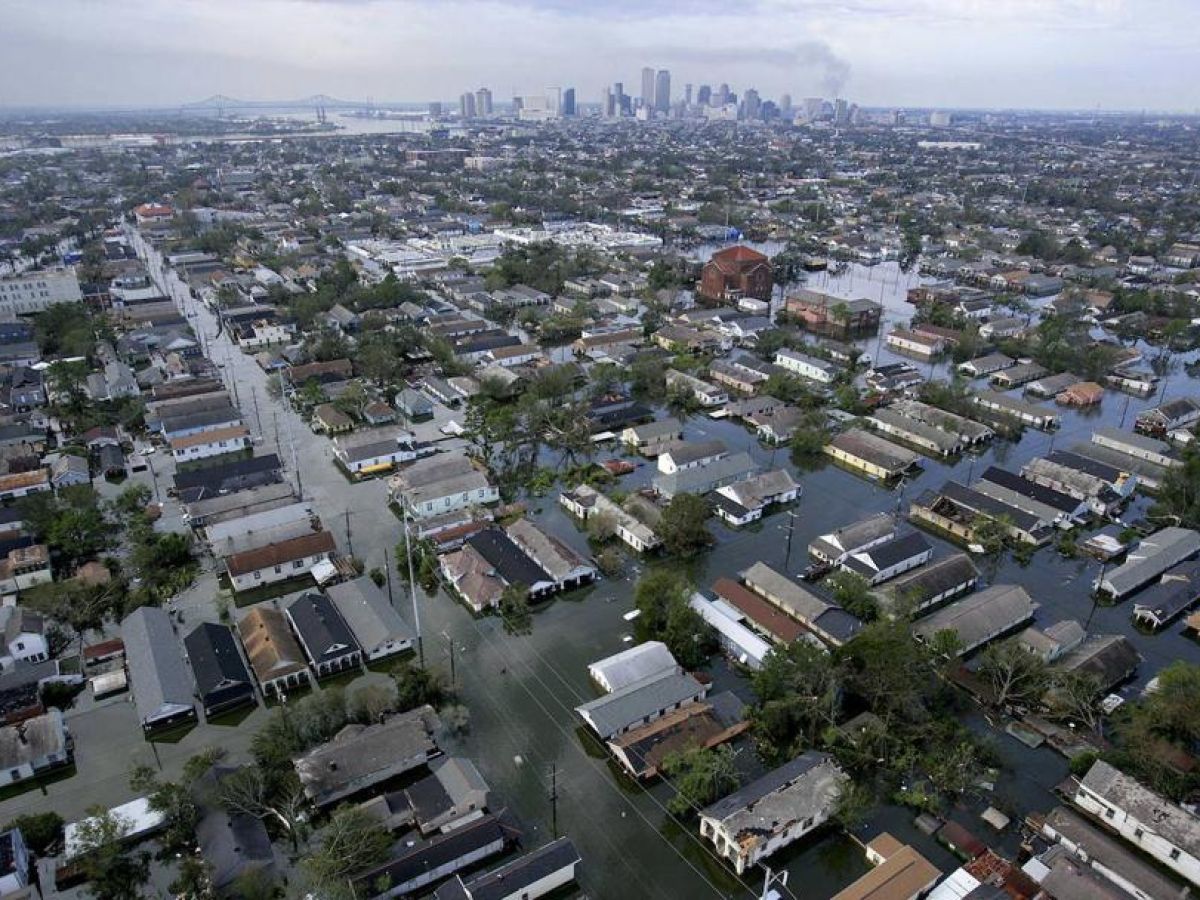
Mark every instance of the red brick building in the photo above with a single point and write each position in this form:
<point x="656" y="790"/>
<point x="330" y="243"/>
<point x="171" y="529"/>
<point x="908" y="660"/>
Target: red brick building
<point x="736" y="272"/>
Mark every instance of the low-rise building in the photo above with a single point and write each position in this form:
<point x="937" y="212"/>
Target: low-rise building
<point x="1162" y="830"/>
<point x="899" y="873"/>
<point x="824" y="618"/>
<point x="651" y="438"/>
<point x="834" y="547"/>
<point x="362" y="756"/>
<point x="158" y="673"/>
<point x="222" y="680"/>
<point x="528" y="877"/>
<point x="34" y="747"/>
<point x="806" y="366"/>
<point x="204" y="444"/>
<point x="324" y="636"/>
<point x="378" y="629"/>
<point x="640" y="702"/>
<point x="276" y="658"/>
<point x="279" y="561"/>
<point x="707" y="395"/>
<point x="774" y="811"/>
<point x="746" y="501"/>
<point x="889" y="559"/>
<point x="1148" y="560"/>
<point x="649" y="659"/>
<point x="876" y="458"/>
<point x="585" y="501"/>
<point x="979" y="618"/>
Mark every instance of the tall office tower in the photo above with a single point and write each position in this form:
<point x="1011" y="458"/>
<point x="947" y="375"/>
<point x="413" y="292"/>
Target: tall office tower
<point x="722" y="95"/>
<point x="518" y="104"/>
<point x="568" y="102"/>
<point x="648" y="87"/>
<point x="608" y="105"/>
<point x="704" y="95"/>
<point x="785" y="105"/>
<point x="841" y="112"/>
<point x="662" y="91"/>
<point x="687" y="95"/>
<point x="554" y="101"/>
<point x="751" y="105"/>
<point x="435" y="109"/>
<point x="812" y="108"/>
<point x="483" y="102"/>
<point x="466" y="105"/>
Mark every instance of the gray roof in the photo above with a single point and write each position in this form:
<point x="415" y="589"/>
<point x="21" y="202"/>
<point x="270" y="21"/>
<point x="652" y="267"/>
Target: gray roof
<point x="1151" y="558"/>
<point x="806" y="787"/>
<point x="510" y="879"/>
<point x="686" y="452"/>
<point x="646" y="660"/>
<point x="365" y="608"/>
<point x="870" y="447"/>
<point x="701" y="480"/>
<point x="614" y="712"/>
<point x="158" y="675"/>
<point x="942" y="575"/>
<point x="1074" y="830"/>
<point x="359" y="756"/>
<point x="1154" y="813"/>
<point x="980" y="617"/>
<point x="857" y="534"/>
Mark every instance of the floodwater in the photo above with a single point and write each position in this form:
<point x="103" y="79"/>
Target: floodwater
<point x="522" y="690"/>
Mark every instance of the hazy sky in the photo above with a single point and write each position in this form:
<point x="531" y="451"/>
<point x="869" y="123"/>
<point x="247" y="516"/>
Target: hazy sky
<point x="1129" y="54"/>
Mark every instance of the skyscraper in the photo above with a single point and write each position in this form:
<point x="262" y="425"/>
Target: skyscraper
<point x="568" y="102"/>
<point x="841" y="112"/>
<point x="466" y="105"/>
<point x="785" y="105"/>
<point x="751" y="105"/>
<point x="722" y="95"/>
<point x="483" y="102"/>
<point x="704" y="95"/>
<point x="687" y="95"/>
<point x="648" y="87"/>
<point x="609" y="104"/>
<point x="662" y="91"/>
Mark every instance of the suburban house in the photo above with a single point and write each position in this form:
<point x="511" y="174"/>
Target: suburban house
<point x="690" y="455"/>
<point x="941" y="580"/>
<point x="1175" y="593"/>
<point x="707" y="395"/>
<point x="640" y="702"/>
<point x="834" y="547"/>
<point x="585" y="501"/>
<point x="1163" y="831"/>
<point x="324" y="636"/>
<point x="21" y="484"/>
<point x="986" y="365"/>
<point x="442" y="484"/>
<point x="707" y="723"/>
<point x="887" y="560"/>
<point x="649" y="659"/>
<point x="22" y="637"/>
<point x="824" y="618"/>
<point x="204" y="444"/>
<point x="361" y="756"/>
<point x="929" y="438"/>
<point x="743" y="374"/>
<point x="916" y="344"/>
<point x="736" y="272"/>
<point x="652" y="438"/>
<point x="774" y="811"/>
<point x="235" y="845"/>
<point x="222" y="679"/>
<point x="276" y="658"/>
<point x="1171" y="416"/>
<point x="739" y="642"/>
<point x="453" y="794"/>
<point x="704" y="479"/>
<point x="899" y="873"/>
<point x="870" y="454"/>
<point x="566" y="567"/>
<point x="979" y="618"/>
<point x="374" y="622"/>
<point x="806" y="366"/>
<point x="280" y="561"/>
<point x="528" y="877"/>
<point x="378" y="453"/>
<point x="159" y="677"/>
<point x="745" y="501"/>
<point x="33" y="747"/>
<point x="1148" y="560"/>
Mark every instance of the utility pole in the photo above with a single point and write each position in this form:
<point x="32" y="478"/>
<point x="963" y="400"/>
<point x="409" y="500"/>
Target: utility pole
<point x="554" y="799"/>
<point x="257" y="418"/>
<point x="787" y="561"/>
<point x="387" y="571"/>
<point x="349" y="533"/>
<point x="412" y="587"/>
<point x="295" y="463"/>
<point x="453" y="673"/>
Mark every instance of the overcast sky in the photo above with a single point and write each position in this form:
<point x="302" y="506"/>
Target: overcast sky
<point x="1115" y="54"/>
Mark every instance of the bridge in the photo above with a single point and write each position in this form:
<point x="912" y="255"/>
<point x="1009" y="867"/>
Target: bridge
<point x="221" y="104"/>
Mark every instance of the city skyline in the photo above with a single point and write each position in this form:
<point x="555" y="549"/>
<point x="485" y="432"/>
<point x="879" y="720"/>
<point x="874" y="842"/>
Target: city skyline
<point x="1065" y="54"/>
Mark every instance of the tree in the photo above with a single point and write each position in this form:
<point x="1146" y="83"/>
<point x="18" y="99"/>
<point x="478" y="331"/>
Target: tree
<point x="417" y="686"/>
<point x="41" y="831"/>
<point x="514" y="609"/>
<point x="889" y="671"/>
<point x="799" y="690"/>
<point x="1179" y="497"/>
<point x="853" y="593"/>
<point x="662" y="598"/>
<point x="700" y="776"/>
<point x="682" y="526"/>
<point x="114" y="872"/>
<point x="254" y="792"/>
<point x="352" y="841"/>
<point x="1073" y="697"/>
<point x="372" y="701"/>
<point x="1015" y="674"/>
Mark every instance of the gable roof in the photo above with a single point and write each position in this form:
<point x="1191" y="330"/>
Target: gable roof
<point x="214" y="657"/>
<point x="158" y="675"/>
<point x="270" y="647"/>
<point x="321" y="629"/>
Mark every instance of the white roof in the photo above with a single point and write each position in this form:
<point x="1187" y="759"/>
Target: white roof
<point x="955" y="887"/>
<point x="136" y="818"/>
<point x="635" y="664"/>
